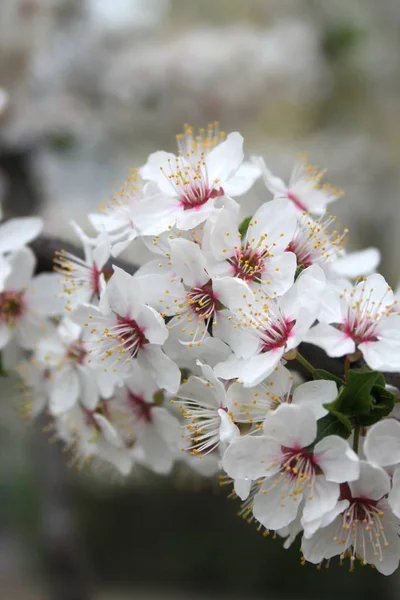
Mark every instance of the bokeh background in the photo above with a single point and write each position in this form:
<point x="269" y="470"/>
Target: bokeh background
<point x="92" y="87"/>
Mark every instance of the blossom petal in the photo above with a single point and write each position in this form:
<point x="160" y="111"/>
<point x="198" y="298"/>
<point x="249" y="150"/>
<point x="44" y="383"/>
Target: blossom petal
<point x="189" y="262"/>
<point x="22" y="265"/>
<point x="242" y="180"/>
<point x="333" y="341"/>
<point x="274" y="506"/>
<point x="373" y="483"/>
<point x="15" y="233"/>
<point x="382" y="443"/>
<point x="224" y="160"/>
<point x="161" y="368"/>
<point x="314" y="394"/>
<point x="251" y="457"/>
<point x="321" y="499"/>
<point x="293" y="426"/>
<point x="336" y="459"/>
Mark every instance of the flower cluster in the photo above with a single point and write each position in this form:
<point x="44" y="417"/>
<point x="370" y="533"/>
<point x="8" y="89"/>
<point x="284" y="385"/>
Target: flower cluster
<point x="195" y="355"/>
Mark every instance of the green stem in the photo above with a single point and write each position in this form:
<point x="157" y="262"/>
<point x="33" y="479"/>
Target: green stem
<point x="303" y="361"/>
<point x="346" y="365"/>
<point x="356" y="439"/>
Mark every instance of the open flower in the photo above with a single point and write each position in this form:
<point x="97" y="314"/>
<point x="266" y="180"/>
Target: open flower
<point x="27" y="301"/>
<point x="293" y="476"/>
<point x="150" y="431"/>
<point x="124" y="328"/>
<point x="305" y="189"/>
<point x="259" y="257"/>
<point x="119" y="218"/>
<point x="360" y="318"/>
<point x="90" y="435"/>
<point x="270" y="327"/>
<point x="203" y="403"/>
<point x="363" y="527"/>
<point x="65" y="363"/>
<point x="83" y="277"/>
<point x="207" y="167"/>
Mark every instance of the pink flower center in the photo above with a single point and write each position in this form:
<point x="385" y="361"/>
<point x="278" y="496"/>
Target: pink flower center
<point x="359" y="329"/>
<point x="277" y="334"/>
<point x="248" y="264"/>
<point x="12" y="305"/>
<point x="202" y="301"/>
<point x="302" y="251"/>
<point x="298" y="204"/>
<point x="197" y="193"/>
<point x="140" y="407"/>
<point x="130" y="334"/>
<point x="299" y="464"/>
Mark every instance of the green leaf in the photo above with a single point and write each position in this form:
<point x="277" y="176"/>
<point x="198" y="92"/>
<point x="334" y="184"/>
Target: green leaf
<point x="333" y="424"/>
<point x="355" y="397"/>
<point x="382" y="405"/>
<point x="244" y="225"/>
<point x="321" y="374"/>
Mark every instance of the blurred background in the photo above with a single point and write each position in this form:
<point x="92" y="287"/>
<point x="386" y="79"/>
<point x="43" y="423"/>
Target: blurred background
<point x="90" y="87"/>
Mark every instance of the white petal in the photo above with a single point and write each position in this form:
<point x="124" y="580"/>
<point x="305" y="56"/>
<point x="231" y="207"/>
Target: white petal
<point x="293" y="426"/>
<point x="336" y="459"/>
<point x="312" y="526"/>
<point x="5" y="270"/>
<point x="89" y="394"/>
<point x="310" y="286"/>
<point x="161" y="368"/>
<point x="22" y="265"/>
<point x="275" y="185"/>
<point x="64" y="391"/>
<point x="167" y="426"/>
<point x="251" y="458"/>
<point x="394" y="495"/>
<point x="15" y="233"/>
<point x="242" y="488"/>
<point x="153" y="325"/>
<point x="251" y="371"/>
<point x="157" y="169"/>
<point x="382" y="443"/>
<point x="157" y="455"/>
<point x="383" y="355"/>
<point x="242" y="181"/>
<point x="359" y="263"/>
<point x="321" y="499"/>
<point x="374" y="482"/>
<point x="233" y="293"/>
<point x="228" y="431"/>
<point x="279" y="274"/>
<point x="225" y="159"/>
<point x="189" y="262"/>
<point x="273" y="506"/>
<point x="108" y="430"/>
<point x="313" y="394"/>
<point x="374" y="290"/>
<point x="324" y="543"/>
<point x="273" y="225"/>
<point x="333" y="341"/>
<point x="189" y="219"/>
<point x="44" y="295"/>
